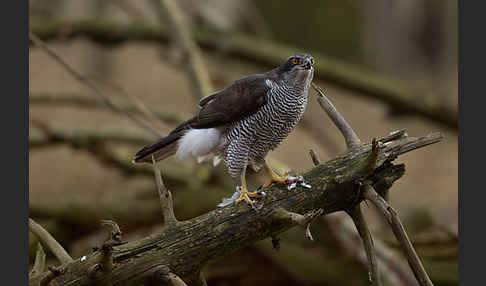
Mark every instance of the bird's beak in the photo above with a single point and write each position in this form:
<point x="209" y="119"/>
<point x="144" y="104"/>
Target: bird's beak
<point x="307" y="64"/>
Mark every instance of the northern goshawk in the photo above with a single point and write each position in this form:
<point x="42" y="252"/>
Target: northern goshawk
<point x="242" y="122"/>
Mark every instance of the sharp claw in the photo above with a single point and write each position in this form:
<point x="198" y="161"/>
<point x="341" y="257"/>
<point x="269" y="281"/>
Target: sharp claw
<point x="291" y="186"/>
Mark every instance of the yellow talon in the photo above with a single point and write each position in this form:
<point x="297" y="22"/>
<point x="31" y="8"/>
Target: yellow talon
<point x="245" y="195"/>
<point x="274" y="178"/>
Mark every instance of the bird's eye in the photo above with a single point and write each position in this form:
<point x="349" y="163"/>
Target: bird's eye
<point x="313" y="62"/>
<point x="295" y="61"/>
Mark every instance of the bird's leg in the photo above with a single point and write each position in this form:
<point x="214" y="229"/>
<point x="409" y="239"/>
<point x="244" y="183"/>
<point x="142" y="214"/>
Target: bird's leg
<point x="274" y="178"/>
<point x="244" y="193"/>
<point x="290" y="180"/>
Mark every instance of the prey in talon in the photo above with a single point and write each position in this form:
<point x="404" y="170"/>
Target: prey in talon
<point x="289" y="178"/>
<point x="242" y="123"/>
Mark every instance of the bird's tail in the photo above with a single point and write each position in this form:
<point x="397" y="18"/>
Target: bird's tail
<point x="161" y="149"/>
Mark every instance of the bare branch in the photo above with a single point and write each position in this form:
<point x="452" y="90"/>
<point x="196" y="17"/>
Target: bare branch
<point x="314" y="157"/>
<point x="138" y="105"/>
<point x="392" y="217"/>
<point x="86" y="102"/>
<point x="416" y="144"/>
<point x="130" y="8"/>
<point x="187" y="246"/>
<point x="115" y="233"/>
<point x="198" y="279"/>
<point x="198" y="75"/>
<point x="298" y="219"/>
<point x="85" y="81"/>
<point x="49" y="241"/>
<point x="40" y="261"/>
<point x="53" y="273"/>
<point x="352" y="140"/>
<point x="162" y="275"/>
<point x="263" y="53"/>
<point x="397" y="272"/>
<point x="367" y="239"/>
<point x="165" y="196"/>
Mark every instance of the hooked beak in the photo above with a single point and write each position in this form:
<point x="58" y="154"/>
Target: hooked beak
<point x="308" y="64"/>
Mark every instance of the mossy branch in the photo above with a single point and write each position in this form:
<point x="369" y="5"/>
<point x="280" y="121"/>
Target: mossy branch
<point x="187" y="246"/>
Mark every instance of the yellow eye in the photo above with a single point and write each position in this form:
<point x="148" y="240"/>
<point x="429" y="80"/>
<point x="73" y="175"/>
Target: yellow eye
<point x="313" y="62"/>
<point x="295" y="61"/>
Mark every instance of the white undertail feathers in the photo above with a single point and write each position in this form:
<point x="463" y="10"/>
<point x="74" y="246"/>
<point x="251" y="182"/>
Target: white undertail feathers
<point x="199" y="143"/>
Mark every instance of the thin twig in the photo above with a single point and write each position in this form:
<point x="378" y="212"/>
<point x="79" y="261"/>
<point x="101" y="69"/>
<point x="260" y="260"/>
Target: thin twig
<point x="165" y="196"/>
<point x="49" y="241"/>
<point x="314" y="157"/>
<point x="78" y="100"/>
<point x="137" y="104"/>
<point x="91" y="85"/>
<point x="397" y="272"/>
<point x="352" y="140"/>
<point x="198" y="74"/>
<point x="130" y="8"/>
<point x="367" y="239"/>
<point x="40" y="261"/>
<point x="263" y="53"/>
<point x="397" y="227"/>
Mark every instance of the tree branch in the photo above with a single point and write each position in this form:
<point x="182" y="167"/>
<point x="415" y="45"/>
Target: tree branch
<point x="348" y="133"/>
<point x="76" y="100"/>
<point x="198" y="75"/>
<point x="186" y="247"/>
<point x="397" y="273"/>
<point x="367" y="239"/>
<point x="263" y="53"/>
<point x="85" y="81"/>
<point x="40" y="261"/>
<point x="50" y="242"/>
<point x="392" y="217"/>
<point x="165" y="196"/>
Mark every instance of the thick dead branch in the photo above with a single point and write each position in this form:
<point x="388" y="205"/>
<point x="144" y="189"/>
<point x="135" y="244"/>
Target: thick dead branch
<point x="85" y="81"/>
<point x="187" y="246"/>
<point x="392" y="217"/>
<point x="165" y="196"/>
<point x="364" y="233"/>
<point x="352" y="140"/>
<point x="198" y="75"/>
<point x="264" y="53"/>
<point x="50" y="242"/>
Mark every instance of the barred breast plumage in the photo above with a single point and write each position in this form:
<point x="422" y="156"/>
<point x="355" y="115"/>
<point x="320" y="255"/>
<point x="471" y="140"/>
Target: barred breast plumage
<point x="249" y="140"/>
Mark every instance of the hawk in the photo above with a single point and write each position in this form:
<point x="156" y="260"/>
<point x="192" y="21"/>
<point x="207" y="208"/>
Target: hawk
<point x="242" y="122"/>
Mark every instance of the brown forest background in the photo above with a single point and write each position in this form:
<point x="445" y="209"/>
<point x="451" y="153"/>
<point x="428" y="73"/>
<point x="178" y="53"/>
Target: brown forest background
<point x="86" y="175"/>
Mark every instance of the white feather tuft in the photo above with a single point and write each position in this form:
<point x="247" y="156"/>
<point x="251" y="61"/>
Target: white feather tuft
<point x="216" y="160"/>
<point x="198" y="143"/>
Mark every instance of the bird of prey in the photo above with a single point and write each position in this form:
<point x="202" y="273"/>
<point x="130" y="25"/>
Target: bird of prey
<point x="242" y="123"/>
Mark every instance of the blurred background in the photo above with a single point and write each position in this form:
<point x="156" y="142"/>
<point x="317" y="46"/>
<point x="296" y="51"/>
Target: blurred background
<point x="386" y="65"/>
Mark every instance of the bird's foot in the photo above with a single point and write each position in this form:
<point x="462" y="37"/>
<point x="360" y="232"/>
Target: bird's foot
<point x="243" y="194"/>
<point x="290" y="179"/>
<point x="247" y="195"/>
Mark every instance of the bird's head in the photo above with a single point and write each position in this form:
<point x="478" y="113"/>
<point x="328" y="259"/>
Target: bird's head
<point x="298" y="69"/>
